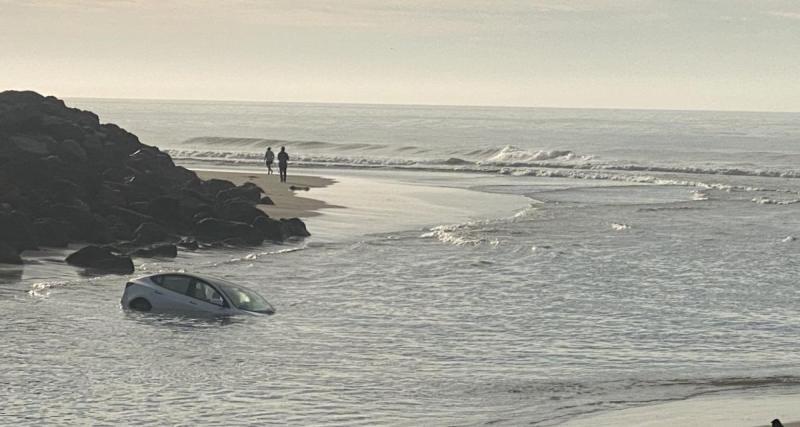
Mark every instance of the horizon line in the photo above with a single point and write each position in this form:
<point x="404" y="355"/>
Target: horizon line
<point x="389" y="104"/>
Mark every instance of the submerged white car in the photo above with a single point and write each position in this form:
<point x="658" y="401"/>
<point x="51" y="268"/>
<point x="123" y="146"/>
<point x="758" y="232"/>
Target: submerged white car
<point x="192" y="294"/>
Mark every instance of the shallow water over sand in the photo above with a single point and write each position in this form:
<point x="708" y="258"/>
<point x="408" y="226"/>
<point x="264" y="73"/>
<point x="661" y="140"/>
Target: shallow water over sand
<point x="588" y="299"/>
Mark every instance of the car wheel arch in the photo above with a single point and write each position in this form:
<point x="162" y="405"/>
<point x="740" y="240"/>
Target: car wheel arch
<point x="140" y="304"/>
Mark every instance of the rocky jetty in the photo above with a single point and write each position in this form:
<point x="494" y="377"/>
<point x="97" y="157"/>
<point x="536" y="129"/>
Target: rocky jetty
<point x="66" y="178"/>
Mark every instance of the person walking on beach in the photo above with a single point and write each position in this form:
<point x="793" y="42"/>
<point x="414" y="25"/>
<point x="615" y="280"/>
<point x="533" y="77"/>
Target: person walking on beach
<point x="283" y="163"/>
<point x="268" y="159"/>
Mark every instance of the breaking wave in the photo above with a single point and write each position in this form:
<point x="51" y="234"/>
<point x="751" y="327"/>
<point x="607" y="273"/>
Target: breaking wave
<point x="320" y="153"/>
<point x="476" y="232"/>
<point x="506" y="160"/>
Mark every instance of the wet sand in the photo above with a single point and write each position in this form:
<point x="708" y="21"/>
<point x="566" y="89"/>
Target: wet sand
<point x="745" y="410"/>
<point x="346" y="204"/>
<point x="289" y="202"/>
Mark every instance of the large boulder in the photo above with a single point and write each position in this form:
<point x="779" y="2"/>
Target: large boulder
<point x="295" y="227"/>
<point x="52" y="232"/>
<point x="130" y="216"/>
<point x="149" y="232"/>
<point x="247" y="192"/>
<point x="9" y="254"/>
<point x="78" y="216"/>
<point x="156" y="251"/>
<point x="218" y="230"/>
<point x="101" y="259"/>
<point x="214" y="186"/>
<point x="237" y="210"/>
<point x="271" y="229"/>
<point x="16" y="230"/>
<point x="165" y="209"/>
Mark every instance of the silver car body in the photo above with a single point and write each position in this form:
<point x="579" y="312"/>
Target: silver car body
<point x="192" y="294"/>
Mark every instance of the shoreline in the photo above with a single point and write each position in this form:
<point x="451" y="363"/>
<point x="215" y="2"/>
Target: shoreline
<point x="737" y="409"/>
<point x="288" y="202"/>
<point x="346" y="204"/>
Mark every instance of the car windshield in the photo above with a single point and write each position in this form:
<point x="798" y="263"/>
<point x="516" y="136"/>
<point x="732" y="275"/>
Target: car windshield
<point x="245" y="299"/>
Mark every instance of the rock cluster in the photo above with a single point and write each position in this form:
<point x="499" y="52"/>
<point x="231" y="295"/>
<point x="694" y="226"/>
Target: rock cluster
<point x="66" y="178"/>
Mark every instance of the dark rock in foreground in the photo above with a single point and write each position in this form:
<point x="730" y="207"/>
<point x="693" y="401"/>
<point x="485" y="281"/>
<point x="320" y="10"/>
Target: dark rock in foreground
<point x="67" y="178"/>
<point x="101" y="259"/>
<point x="214" y="230"/>
<point x="9" y="254"/>
<point x="156" y="251"/>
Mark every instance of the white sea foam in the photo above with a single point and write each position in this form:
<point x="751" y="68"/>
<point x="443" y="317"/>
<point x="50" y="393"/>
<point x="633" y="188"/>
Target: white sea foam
<point x="673" y="176"/>
<point x="515" y="155"/>
<point x="456" y="234"/>
<point x="250" y="150"/>
<point x="768" y="201"/>
<point x="620" y="227"/>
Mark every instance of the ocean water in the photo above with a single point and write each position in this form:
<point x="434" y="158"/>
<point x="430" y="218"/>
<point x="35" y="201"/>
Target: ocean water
<point x="650" y="256"/>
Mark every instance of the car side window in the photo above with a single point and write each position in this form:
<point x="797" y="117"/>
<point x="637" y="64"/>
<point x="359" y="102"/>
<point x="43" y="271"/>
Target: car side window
<point x="204" y="291"/>
<point x="175" y="283"/>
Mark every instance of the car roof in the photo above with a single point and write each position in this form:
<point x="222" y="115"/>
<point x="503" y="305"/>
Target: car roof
<point x="204" y="277"/>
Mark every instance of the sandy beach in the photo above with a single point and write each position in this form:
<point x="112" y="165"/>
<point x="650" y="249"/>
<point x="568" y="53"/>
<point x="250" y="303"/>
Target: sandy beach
<point x="366" y="202"/>
<point x="747" y="410"/>
<point x="291" y="198"/>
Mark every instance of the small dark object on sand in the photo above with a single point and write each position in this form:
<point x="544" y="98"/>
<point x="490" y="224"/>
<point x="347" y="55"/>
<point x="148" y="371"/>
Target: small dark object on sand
<point x="777" y="423"/>
<point x="297" y="188"/>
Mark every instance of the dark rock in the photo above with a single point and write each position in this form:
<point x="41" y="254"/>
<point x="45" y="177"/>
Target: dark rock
<point x="130" y="217"/>
<point x="118" y="228"/>
<point x="9" y="254"/>
<point x="189" y="243"/>
<point x="107" y="196"/>
<point x="193" y="203"/>
<point x="156" y="251"/>
<point x="240" y="211"/>
<point x="115" y="174"/>
<point x="72" y="151"/>
<point x="266" y="201"/>
<point x="52" y="232"/>
<point x="60" y="129"/>
<point x="181" y="176"/>
<point x="150" y="232"/>
<point x="165" y="209"/>
<point x="30" y="145"/>
<point x="271" y="229"/>
<point x="295" y="227"/>
<point x="80" y="218"/>
<point x="208" y="212"/>
<point x="247" y="192"/>
<point x="89" y="182"/>
<point x="101" y="232"/>
<point x="103" y="259"/>
<point x="141" y="207"/>
<point x="215" y="230"/>
<point x="66" y="191"/>
<point x="298" y="188"/>
<point x="214" y="186"/>
<point x="16" y="230"/>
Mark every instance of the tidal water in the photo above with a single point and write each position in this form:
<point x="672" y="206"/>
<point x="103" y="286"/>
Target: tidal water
<point x="651" y="256"/>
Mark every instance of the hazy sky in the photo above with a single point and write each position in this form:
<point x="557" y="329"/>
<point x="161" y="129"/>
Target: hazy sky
<point x="695" y="54"/>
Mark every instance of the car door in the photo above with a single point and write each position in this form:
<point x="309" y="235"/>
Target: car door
<point x="173" y="293"/>
<point x="205" y="298"/>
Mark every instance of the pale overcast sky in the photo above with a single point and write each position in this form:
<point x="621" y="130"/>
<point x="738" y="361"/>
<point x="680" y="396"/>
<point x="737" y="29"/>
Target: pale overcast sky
<point x="677" y="54"/>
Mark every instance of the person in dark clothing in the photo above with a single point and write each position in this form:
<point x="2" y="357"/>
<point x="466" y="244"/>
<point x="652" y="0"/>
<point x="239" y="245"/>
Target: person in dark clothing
<point x="283" y="163"/>
<point x="269" y="157"/>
